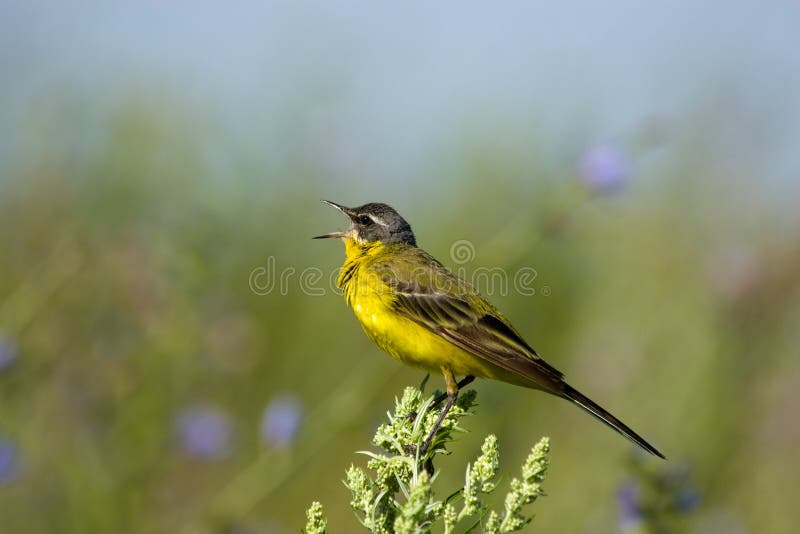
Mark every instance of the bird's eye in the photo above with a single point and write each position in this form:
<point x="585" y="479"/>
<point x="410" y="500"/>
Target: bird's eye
<point x="365" y="219"/>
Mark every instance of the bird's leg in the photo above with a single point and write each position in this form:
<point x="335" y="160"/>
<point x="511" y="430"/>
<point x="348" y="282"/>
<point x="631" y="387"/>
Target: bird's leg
<point x="467" y="380"/>
<point x="442" y="396"/>
<point x="452" y="395"/>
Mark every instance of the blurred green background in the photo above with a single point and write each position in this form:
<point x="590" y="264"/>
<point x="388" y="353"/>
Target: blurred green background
<point x="158" y="164"/>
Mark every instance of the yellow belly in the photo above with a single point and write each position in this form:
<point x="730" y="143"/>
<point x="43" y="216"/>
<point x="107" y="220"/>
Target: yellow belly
<point x="415" y="345"/>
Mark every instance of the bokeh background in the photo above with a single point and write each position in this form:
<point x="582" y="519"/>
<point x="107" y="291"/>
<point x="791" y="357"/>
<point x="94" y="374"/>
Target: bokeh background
<point x="643" y="160"/>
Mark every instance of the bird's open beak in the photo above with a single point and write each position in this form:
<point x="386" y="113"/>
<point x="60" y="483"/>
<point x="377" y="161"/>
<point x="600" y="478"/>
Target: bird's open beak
<point x="344" y="210"/>
<point x="332" y="234"/>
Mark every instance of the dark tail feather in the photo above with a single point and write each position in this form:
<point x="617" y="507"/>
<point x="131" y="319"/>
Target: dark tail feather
<point x="591" y="407"/>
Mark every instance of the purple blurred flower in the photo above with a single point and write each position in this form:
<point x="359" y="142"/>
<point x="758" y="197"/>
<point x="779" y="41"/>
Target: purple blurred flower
<point x="280" y="420"/>
<point x="604" y="168"/>
<point x="630" y="513"/>
<point x="205" y="432"/>
<point x="8" y="351"/>
<point x="686" y="501"/>
<point x="677" y="480"/>
<point x="10" y="466"/>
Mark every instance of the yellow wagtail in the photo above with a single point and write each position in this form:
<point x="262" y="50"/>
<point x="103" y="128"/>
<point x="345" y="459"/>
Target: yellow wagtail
<point x="422" y="314"/>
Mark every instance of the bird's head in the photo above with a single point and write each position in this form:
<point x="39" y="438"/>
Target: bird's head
<point x="373" y="222"/>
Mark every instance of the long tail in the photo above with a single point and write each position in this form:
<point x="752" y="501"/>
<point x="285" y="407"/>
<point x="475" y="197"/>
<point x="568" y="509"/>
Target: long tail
<point x="568" y="392"/>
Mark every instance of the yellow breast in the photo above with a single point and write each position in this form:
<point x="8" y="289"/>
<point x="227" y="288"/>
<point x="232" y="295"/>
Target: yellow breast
<point x="371" y="300"/>
<point x="400" y="337"/>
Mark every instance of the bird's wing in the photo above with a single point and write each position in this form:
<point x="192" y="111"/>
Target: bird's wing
<point x="423" y="290"/>
<point x="433" y="297"/>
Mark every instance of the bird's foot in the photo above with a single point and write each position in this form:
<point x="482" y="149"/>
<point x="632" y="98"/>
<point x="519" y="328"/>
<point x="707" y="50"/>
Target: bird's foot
<point x="411" y="450"/>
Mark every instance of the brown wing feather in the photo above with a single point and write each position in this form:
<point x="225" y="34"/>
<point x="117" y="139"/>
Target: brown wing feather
<point x="445" y="305"/>
<point x="482" y="333"/>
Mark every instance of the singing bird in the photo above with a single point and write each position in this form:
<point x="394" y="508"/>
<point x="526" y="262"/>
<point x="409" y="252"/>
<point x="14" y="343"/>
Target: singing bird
<point x="422" y="314"/>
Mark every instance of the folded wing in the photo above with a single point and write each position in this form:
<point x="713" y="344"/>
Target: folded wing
<point x="437" y="300"/>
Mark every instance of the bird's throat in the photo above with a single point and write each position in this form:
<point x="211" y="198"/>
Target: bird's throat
<point x="355" y="254"/>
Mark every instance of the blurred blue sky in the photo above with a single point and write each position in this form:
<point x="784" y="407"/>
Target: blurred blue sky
<point x="390" y="85"/>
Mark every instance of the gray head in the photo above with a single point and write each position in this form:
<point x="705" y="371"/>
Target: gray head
<point x="374" y="222"/>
